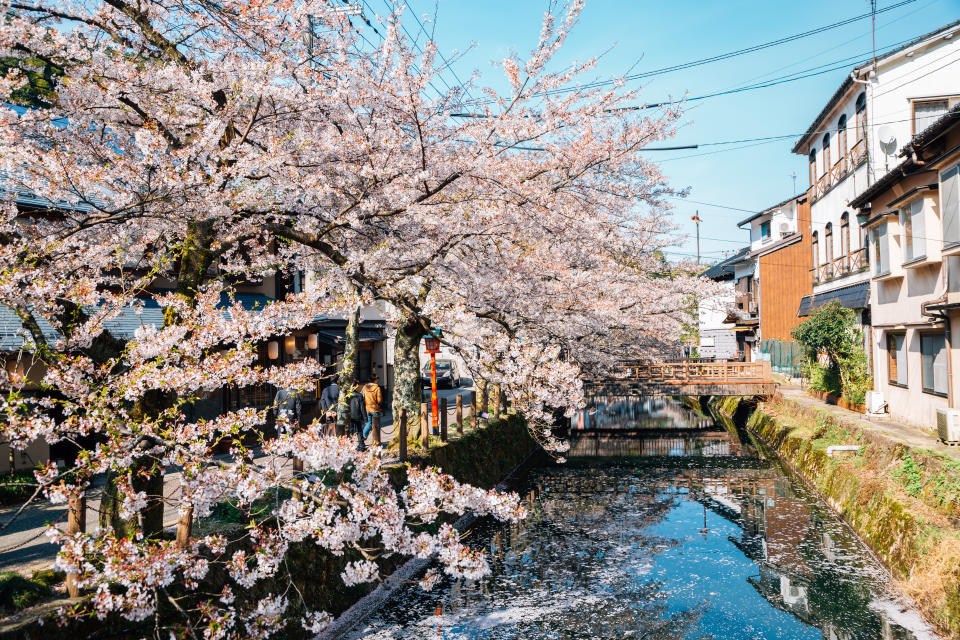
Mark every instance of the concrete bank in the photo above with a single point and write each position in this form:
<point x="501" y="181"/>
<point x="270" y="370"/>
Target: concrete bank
<point x="482" y="458"/>
<point x="902" y="500"/>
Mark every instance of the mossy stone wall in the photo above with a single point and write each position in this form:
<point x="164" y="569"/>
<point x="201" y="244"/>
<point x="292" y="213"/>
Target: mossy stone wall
<point x="902" y="501"/>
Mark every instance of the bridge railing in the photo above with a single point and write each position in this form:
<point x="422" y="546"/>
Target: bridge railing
<point x="692" y="372"/>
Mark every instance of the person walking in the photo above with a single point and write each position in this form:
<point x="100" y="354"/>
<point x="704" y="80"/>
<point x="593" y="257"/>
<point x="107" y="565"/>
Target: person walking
<point x="287" y="404"/>
<point x="358" y="415"/>
<point x="372" y="398"/>
<point x="328" y="406"/>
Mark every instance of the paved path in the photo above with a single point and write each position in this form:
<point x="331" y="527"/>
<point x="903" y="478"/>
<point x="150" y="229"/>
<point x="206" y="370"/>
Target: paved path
<point x="907" y="434"/>
<point x="24" y="546"/>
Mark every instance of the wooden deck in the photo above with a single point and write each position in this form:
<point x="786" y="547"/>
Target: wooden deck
<point x="687" y="378"/>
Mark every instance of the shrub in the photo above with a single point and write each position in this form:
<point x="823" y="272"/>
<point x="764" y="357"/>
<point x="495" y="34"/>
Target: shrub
<point x="17" y="592"/>
<point x="832" y="331"/>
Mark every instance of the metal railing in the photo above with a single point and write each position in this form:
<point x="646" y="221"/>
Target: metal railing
<point x="847" y="163"/>
<point x="695" y="372"/>
<point x="854" y="262"/>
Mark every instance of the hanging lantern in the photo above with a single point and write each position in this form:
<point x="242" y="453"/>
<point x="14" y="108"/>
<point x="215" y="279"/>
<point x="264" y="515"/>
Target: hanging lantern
<point x="289" y="345"/>
<point x="273" y="349"/>
<point x="432" y="345"/>
<point x="313" y="341"/>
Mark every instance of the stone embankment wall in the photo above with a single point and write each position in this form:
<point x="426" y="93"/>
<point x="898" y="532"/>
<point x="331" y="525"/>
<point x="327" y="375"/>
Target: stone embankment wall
<point x="481" y="458"/>
<point x="903" y="502"/>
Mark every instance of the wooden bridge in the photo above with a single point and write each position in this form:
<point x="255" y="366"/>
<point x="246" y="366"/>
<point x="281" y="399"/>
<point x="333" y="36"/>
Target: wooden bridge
<point x="686" y="378"/>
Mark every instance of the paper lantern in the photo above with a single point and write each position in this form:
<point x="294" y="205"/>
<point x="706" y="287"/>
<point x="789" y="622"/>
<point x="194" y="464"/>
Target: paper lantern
<point x="273" y="349"/>
<point x="313" y="341"/>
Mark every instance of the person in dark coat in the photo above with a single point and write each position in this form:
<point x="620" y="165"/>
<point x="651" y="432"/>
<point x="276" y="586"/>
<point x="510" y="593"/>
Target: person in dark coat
<point x="287" y="404"/>
<point x="328" y="405"/>
<point x="358" y="415"/>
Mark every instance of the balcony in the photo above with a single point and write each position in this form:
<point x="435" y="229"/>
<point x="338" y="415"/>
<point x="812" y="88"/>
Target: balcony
<point x="746" y="303"/>
<point x="840" y="169"/>
<point x="855" y="262"/>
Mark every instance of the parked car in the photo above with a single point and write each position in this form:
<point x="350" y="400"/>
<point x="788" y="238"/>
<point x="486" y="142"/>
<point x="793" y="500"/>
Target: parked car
<point x="448" y="375"/>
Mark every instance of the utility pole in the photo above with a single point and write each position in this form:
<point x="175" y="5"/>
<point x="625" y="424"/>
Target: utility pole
<point x="696" y="218"/>
<point x="794" y="176"/>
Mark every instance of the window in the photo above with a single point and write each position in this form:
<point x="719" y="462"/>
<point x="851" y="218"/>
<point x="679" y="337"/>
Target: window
<point x="926" y="112"/>
<point x="881" y="250"/>
<point x="911" y="221"/>
<point x="816" y="250"/>
<point x="861" y="109"/>
<point x="845" y="239"/>
<point x="950" y="204"/>
<point x="828" y="244"/>
<point x="765" y="231"/>
<point x="826" y="152"/>
<point x="842" y="136"/>
<point x="897" y="359"/>
<point x="813" y="167"/>
<point x="933" y="363"/>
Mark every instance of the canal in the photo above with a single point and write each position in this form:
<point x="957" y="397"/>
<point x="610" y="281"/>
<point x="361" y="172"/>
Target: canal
<point x="675" y="528"/>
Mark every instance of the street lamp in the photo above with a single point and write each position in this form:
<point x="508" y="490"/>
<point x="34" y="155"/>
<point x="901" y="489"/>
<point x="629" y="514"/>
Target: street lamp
<point x="432" y="344"/>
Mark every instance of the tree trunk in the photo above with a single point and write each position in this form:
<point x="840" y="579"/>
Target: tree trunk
<point x="348" y="370"/>
<point x="407" y="392"/>
<point x="146" y="475"/>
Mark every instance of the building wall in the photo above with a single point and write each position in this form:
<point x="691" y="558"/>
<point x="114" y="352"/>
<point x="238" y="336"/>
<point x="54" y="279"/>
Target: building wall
<point x="908" y="404"/>
<point x="783" y="222"/>
<point x="784" y="280"/>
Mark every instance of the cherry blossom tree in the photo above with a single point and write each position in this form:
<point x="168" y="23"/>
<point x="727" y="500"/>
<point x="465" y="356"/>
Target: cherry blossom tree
<point x="185" y="145"/>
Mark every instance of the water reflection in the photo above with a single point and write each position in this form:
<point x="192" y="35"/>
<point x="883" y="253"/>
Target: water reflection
<point x="632" y="412"/>
<point x="662" y="548"/>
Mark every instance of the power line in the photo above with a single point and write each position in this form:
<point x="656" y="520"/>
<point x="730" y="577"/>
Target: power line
<point x="446" y="63"/>
<point x="722" y="56"/>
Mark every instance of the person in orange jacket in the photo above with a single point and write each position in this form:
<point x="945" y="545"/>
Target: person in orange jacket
<point x="372" y="398"/>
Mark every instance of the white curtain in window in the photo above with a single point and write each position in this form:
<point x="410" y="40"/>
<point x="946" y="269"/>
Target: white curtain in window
<point x="926" y="113"/>
<point x="914" y="237"/>
<point x="950" y="204"/>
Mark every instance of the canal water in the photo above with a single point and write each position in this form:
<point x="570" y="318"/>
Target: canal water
<point x="692" y="533"/>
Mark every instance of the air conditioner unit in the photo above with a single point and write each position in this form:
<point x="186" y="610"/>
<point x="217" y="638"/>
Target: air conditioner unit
<point x="948" y="424"/>
<point x="752" y="307"/>
<point x="874" y="402"/>
<point x="785" y="229"/>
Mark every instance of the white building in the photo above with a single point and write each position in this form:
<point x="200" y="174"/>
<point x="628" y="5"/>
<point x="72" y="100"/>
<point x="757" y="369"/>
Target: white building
<point x="853" y="142"/>
<point x="717" y="337"/>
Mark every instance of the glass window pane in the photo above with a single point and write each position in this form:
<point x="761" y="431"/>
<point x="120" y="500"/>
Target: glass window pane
<point x="926" y="113"/>
<point x="901" y="346"/>
<point x="950" y="204"/>
<point x="933" y="358"/>
<point x="918" y="237"/>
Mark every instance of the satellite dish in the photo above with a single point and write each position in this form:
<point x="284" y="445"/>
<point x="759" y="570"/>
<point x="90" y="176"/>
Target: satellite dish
<point x="888" y="139"/>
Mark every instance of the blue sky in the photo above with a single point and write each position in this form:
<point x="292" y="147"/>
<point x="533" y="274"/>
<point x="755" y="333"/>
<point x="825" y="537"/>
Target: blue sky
<point x="651" y="34"/>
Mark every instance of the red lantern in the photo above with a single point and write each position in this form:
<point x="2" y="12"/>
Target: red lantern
<point x="432" y="345"/>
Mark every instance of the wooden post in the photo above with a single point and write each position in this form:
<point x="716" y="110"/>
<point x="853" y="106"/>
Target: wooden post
<point x="297" y="470"/>
<point x="424" y="425"/>
<point x="184" y="527"/>
<point x="473" y="410"/>
<point x="375" y="421"/>
<point x="402" y="426"/>
<point x="459" y="414"/>
<point x="496" y="401"/>
<point x="485" y="399"/>
<point x="443" y="419"/>
<point x="76" y="523"/>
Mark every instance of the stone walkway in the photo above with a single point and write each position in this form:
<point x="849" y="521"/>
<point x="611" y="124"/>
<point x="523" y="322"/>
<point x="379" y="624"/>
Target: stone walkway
<point x="907" y="434"/>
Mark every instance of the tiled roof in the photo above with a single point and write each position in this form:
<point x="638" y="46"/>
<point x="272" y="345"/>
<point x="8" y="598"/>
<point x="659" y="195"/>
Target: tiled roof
<point x="724" y="270"/>
<point x="854" y="296"/>
<point x="123" y="326"/>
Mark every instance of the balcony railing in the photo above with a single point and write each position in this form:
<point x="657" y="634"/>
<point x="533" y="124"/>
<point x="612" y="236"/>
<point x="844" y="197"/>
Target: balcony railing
<point x="854" y="262"/>
<point x="840" y="169"/>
